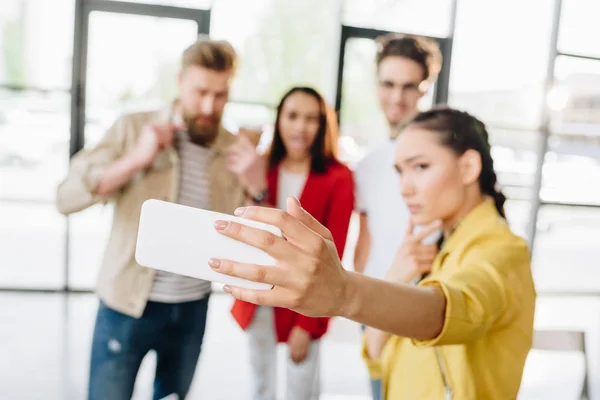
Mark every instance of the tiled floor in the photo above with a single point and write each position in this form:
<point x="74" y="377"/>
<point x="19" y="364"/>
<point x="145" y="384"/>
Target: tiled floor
<point x="44" y="345"/>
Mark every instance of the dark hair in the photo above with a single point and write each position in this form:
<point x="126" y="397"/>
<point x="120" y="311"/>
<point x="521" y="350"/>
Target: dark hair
<point x="423" y="51"/>
<point x="460" y="132"/>
<point x="323" y="149"/>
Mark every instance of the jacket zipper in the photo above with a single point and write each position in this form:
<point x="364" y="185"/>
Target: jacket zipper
<point x="447" y="388"/>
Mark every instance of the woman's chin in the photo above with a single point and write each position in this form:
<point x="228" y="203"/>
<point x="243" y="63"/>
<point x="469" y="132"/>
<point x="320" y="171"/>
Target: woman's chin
<point x="421" y="219"/>
<point x="297" y="154"/>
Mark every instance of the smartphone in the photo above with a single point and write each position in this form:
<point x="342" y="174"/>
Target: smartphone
<point x="432" y="238"/>
<point x="181" y="239"/>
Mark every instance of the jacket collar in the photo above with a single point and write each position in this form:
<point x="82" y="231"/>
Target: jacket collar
<point x="480" y="219"/>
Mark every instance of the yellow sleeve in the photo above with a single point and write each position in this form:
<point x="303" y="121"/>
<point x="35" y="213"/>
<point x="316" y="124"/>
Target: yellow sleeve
<point x="482" y="291"/>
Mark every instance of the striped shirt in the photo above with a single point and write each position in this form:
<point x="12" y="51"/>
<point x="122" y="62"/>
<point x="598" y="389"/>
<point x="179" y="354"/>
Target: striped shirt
<point x="194" y="191"/>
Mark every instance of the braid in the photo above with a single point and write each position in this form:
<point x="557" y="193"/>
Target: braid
<point x="488" y="180"/>
<point x="461" y="132"/>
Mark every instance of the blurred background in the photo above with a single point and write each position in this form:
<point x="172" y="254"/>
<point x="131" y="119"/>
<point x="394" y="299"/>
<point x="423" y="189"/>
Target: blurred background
<point x="529" y="69"/>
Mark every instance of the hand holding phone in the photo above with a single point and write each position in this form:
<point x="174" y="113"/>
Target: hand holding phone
<point x="181" y="240"/>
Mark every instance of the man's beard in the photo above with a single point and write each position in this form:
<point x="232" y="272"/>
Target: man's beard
<point x="202" y="135"/>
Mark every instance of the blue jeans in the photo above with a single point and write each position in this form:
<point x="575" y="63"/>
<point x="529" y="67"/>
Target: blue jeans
<point x="174" y="331"/>
<point x="376" y="384"/>
<point x="376" y="387"/>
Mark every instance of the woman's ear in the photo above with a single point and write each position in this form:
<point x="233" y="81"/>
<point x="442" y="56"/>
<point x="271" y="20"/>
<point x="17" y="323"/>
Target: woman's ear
<point x="470" y="166"/>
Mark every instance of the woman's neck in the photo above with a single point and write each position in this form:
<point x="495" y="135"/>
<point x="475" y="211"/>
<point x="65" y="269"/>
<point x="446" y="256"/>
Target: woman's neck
<point x="297" y="166"/>
<point x="471" y="203"/>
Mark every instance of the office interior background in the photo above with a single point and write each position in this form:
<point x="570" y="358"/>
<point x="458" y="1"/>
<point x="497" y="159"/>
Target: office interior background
<point x="529" y="69"/>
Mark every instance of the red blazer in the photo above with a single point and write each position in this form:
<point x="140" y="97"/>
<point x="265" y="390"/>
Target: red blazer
<point x="328" y="197"/>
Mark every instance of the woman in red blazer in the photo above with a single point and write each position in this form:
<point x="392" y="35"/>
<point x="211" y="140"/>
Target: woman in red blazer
<point x="301" y="163"/>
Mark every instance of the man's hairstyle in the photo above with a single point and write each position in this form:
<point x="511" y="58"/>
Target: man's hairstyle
<point x="423" y="51"/>
<point x="217" y="55"/>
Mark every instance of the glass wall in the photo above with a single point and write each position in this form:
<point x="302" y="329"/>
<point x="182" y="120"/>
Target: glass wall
<point x="281" y="44"/>
<point x="499" y="61"/>
<point x="565" y="248"/>
<point x="498" y="74"/>
<point x="35" y="77"/>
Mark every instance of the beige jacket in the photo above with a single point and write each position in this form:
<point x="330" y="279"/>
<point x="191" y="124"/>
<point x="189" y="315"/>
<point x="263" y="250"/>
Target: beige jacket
<point x="123" y="284"/>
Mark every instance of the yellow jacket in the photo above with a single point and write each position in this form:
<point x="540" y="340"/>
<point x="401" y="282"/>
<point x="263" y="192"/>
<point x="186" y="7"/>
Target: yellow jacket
<point x="485" y="273"/>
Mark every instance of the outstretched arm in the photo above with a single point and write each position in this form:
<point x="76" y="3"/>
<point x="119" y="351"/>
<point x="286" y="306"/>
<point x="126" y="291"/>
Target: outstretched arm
<point x="312" y="281"/>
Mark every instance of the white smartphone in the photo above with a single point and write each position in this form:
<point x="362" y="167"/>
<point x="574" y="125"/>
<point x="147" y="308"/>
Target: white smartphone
<point x="181" y="240"/>
<point x="432" y="238"/>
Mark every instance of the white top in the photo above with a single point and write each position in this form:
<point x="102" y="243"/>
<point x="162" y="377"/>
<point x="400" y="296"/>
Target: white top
<point x="194" y="191"/>
<point x="290" y="184"/>
<point x="378" y="195"/>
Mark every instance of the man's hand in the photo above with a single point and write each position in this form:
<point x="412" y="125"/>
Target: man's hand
<point x="249" y="166"/>
<point x="298" y="343"/>
<point x="152" y="140"/>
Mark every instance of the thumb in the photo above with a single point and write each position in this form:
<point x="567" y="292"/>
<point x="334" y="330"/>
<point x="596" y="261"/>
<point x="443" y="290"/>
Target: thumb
<point x="165" y="131"/>
<point x="244" y="139"/>
<point x="295" y="210"/>
<point x="410" y="228"/>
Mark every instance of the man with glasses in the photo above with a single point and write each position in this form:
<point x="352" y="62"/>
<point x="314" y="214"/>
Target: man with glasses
<point x="407" y="66"/>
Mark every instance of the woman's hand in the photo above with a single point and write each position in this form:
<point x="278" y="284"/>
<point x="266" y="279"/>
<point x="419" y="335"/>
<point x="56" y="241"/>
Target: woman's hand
<point x="299" y="344"/>
<point x="308" y="278"/>
<point x="413" y="258"/>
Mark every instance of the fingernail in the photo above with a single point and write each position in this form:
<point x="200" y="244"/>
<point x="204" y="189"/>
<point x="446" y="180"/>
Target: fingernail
<point x="214" y="263"/>
<point x="220" y="225"/>
<point x="227" y="289"/>
<point x="240" y="211"/>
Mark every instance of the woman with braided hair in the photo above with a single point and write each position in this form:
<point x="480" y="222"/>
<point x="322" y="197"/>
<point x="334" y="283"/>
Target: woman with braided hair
<point x="448" y="179"/>
<point x="464" y="331"/>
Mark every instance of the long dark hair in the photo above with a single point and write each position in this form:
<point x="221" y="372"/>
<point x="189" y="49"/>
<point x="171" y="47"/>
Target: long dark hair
<point x="460" y="132"/>
<point x="323" y="149"/>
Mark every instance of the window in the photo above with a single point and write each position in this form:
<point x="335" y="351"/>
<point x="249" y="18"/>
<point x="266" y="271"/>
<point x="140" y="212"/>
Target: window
<point x="33" y="245"/>
<point x="360" y="116"/>
<point x="499" y="60"/>
<point x="579" y="27"/>
<point x="573" y="159"/>
<point x="423" y="17"/>
<point x="200" y="4"/>
<point x="133" y="62"/>
<point x="514" y="154"/>
<point x="34" y="155"/>
<point x="34" y="144"/>
<point x="574" y="99"/>
<point x="566" y="251"/>
<point x="35" y="76"/>
<point x="35" y="50"/>
<point x="281" y="44"/>
<point x="515" y="160"/>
